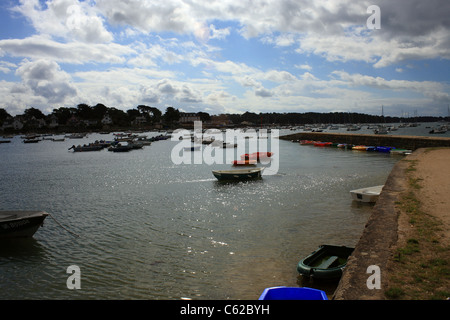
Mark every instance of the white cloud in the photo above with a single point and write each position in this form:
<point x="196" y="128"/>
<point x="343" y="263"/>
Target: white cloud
<point x="40" y="47"/>
<point x="46" y="79"/>
<point x="304" y="67"/>
<point x="69" y="19"/>
<point x="151" y="51"/>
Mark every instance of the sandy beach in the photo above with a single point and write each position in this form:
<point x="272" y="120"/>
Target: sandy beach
<point x="433" y="172"/>
<point x="419" y="262"/>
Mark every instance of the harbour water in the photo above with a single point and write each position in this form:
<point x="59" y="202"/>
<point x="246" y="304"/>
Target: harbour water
<point x="150" y="229"/>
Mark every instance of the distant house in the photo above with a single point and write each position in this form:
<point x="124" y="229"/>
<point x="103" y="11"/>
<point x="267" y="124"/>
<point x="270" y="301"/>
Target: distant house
<point x="89" y="123"/>
<point x="189" y="117"/>
<point x="13" y="123"/>
<point x="221" y="120"/>
<point x="107" y="120"/>
<point x="139" y="120"/>
<point x="73" y="121"/>
<point x="38" y="123"/>
<point x="53" y="121"/>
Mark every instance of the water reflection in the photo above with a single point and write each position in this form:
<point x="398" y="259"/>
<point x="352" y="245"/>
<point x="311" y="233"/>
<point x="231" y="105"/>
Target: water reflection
<point x="150" y="229"/>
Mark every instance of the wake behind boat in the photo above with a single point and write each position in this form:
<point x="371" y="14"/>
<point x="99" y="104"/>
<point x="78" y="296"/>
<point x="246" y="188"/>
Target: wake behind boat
<point x="238" y="174"/>
<point x="17" y="224"/>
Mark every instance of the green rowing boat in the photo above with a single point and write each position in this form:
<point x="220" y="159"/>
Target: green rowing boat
<point x="327" y="262"/>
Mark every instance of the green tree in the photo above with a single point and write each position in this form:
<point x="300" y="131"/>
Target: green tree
<point x="84" y="111"/>
<point x="171" y="115"/>
<point x="99" y="111"/>
<point x="3" y="115"/>
<point x="204" y="116"/>
<point x="33" y="112"/>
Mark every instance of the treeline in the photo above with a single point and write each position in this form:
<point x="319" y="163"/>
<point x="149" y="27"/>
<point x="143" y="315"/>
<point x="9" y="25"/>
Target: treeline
<point x="94" y="117"/>
<point x="321" y="118"/>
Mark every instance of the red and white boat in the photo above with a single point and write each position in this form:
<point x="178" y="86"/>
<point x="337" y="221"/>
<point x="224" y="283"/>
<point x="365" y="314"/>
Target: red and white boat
<point x="256" y="156"/>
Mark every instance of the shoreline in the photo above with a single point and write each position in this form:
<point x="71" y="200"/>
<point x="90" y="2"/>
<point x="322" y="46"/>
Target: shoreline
<point x="389" y="228"/>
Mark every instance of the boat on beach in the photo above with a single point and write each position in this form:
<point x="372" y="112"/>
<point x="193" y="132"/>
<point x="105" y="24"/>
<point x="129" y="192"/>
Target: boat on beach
<point x="327" y="262"/>
<point x="20" y="224"/>
<point x="238" y="174"/>
<point x="369" y="194"/>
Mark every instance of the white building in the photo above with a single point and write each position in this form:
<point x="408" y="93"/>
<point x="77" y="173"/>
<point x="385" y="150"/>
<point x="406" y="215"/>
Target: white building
<point x="189" y="117"/>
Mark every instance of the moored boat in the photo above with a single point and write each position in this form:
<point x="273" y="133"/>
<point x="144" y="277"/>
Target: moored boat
<point x="31" y="140"/>
<point x="244" y="163"/>
<point x="400" y="151"/>
<point x="359" y="148"/>
<point x="229" y="145"/>
<point x="19" y="224"/>
<point x="86" y="148"/>
<point x="384" y="149"/>
<point x="238" y="174"/>
<point x="256" y="156"/>
<point x="193" y="148"/>
<point x="369" y="194"/>
<point x="327" y="262"/>
<point x="120" y="148"/>
<point x="322" y="144"/>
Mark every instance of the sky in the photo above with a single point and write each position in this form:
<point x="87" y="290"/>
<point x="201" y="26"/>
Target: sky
<point x="227" y="56"/>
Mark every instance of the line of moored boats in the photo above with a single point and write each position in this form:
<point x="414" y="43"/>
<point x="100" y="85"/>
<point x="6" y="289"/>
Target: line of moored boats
<point x="347" y="146"/>
<point x="121" y="143"/>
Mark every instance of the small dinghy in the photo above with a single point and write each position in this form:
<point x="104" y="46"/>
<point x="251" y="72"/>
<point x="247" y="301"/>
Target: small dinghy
<point x="369" y="194"/>
<point x="327" y="262"/>
<point x="238" y="174"/>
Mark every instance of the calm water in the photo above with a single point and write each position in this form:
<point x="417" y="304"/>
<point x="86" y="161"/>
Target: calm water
<point x="149" y="229"/>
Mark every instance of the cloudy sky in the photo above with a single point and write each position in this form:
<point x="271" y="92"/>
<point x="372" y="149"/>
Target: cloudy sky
<point x="227" y="56"/>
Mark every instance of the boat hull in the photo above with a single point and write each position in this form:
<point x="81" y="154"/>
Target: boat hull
<point x="292" y="293"/>
<point x="327" y="262"/>
<point x="238" y="175"/>
<point x="20" y="224"/>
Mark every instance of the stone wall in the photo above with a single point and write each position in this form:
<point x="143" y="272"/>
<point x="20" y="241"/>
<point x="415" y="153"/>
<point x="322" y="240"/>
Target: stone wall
<point x="377" y="242"/>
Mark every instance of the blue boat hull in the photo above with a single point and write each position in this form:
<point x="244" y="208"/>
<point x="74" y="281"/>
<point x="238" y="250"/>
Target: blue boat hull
<point x="292" y="293"/>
